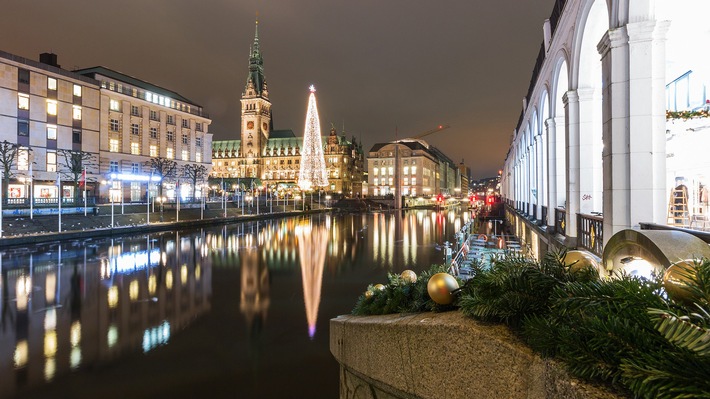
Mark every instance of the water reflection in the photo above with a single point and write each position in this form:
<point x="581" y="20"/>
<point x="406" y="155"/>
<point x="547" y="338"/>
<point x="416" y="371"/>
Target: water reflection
<point x="312" y="243"/>
<point x="64" y="306"/>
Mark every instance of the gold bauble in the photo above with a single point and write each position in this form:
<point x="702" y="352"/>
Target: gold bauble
<point x="379" y="287"/>
<point x="409" y="276"/>
<point x="369" y="294"/>
<point x="580" y="260"/>
<point x="676" y="280"/>
<point x="440" y="288"/>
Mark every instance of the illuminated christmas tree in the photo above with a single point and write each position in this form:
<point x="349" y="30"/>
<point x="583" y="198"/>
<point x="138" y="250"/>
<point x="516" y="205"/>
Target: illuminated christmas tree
<point x="313" y="173"/>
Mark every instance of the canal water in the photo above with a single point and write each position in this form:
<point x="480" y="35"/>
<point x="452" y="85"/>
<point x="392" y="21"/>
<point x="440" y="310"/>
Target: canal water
<point x="235" y="311"/>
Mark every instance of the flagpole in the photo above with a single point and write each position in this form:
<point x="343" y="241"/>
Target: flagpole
<point x="84" y="179"/>
<point x="59" y="199"/>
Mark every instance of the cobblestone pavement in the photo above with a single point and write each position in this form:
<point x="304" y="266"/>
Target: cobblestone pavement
<point x="128" y="215"/>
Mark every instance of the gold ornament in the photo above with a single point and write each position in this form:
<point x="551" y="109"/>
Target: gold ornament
<point x="369" y="294"/>
<point x="579" y="260"/>
<point x="379" y="287"/>
<point x="409" y="276"/>
<point x="676" y="280"/>
<point x="440" y="288"/>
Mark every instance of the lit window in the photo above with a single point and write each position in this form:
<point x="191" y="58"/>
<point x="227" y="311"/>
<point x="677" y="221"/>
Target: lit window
<point x="114" y="105"/>
<point x="51" y="107"/>
<point x="135" y="129"/>
<point x="135" y="148"/>
<point x="51" y="132"/>
<point x="51" y="161"/>
<point x="153" y="151"/>
<point x="198" y="157"/>
<point x="169" y="153"/>
<point x="76" y="112"/>
<point x="406" y="170"/>
<point x="113" y="125"/>
<point x="375" y="171"/>
<point x="113" y="145"/>
<point x="414" y="181"/>
<point x="23" y="101"/>
<point x="391" y="170"/>
<point x="406" y="181"/>
<point x="391" y="181"/>
<point x="185" y="155"/>
<point x="51" y="84"/>
<point x="414" y="169"/>
<point x="77" y="91"/>
<point x="23" y="158"/>
<point x="377" y="181"/>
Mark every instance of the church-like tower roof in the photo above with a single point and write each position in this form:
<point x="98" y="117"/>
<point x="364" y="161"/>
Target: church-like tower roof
<point x="256" y="66"/>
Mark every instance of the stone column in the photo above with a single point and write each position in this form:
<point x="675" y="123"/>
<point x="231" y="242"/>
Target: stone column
<point x="550" y="126"/>
<point x="590" y="151"/>
<point x="540" y="190"/>
<point x="571" y="101"/>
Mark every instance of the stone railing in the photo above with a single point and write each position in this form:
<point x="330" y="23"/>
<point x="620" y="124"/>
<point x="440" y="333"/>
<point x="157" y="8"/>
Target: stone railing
<point x="443" y="355"/>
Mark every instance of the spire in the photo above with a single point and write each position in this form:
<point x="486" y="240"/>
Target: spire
<point x="256" y="65"/>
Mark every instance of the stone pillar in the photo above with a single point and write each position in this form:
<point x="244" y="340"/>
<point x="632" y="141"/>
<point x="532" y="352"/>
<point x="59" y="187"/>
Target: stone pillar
<point x="647" y="121"/>
<point x="571" y="101"/>
<point x="590" y="151"/>
<point x="550" y="126"/>
<point x="539" y="184"/>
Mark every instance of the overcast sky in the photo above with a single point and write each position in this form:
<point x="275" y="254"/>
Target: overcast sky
<point x="379" y="66"/>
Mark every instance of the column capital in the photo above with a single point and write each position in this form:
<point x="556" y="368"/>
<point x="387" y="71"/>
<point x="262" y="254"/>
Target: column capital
<point x="585" y="93"/>
<point x="613" y="38"/>
<point x="570" y="97"/>
<point x="647" y="30"/>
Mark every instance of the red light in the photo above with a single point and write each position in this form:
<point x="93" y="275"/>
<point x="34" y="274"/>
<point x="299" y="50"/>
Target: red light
<point x="439" y="198"/>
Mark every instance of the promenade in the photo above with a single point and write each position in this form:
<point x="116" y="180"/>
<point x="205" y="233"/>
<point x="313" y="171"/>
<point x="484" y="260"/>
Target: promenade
<point x="125" y="219"/>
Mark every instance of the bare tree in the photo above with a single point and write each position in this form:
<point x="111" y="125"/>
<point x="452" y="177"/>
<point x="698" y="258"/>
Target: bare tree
<point x="194" y="173"/>
<point x="163" y="167"/>
<point x="75" y="162"/>
<point x="8" y="155"/>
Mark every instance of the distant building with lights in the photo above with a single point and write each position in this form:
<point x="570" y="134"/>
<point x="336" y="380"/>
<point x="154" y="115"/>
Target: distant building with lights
<point x="423" y="169"/>
<point x="272" y="157"/>
<point x="139" y="121"/>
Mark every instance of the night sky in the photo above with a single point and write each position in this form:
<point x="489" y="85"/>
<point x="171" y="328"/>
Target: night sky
<point x="380" y="67"/>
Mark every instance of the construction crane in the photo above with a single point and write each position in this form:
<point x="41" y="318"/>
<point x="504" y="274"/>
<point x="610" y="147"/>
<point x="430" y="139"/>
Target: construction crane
<point x="428" y="132"/>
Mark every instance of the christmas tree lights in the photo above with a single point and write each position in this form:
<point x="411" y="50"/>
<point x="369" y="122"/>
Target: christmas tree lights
<point x="313" y="173"/>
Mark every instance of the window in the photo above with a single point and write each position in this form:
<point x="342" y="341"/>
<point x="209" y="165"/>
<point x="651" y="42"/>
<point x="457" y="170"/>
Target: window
<point x="377" y="181"/>
<point x="51" y="84"/>
<point x="198" y="157"/>
<point x="113" y="145"/>
<point x="198" y="141"/>
<point x="23" y="158"/>
<point x="171" y="120"/>
<point x="198" y="127"/>
<point x="135" y="168"/>
<point x="375" y="171"/>
<point x="169" y="153"/>
<point x="23" y="101"/>
<point x="406" y="170"/>
<point x="76" y="112"/>
<point x="77" y="91"/>
<point x="169" y="136"/>
<point x="391" y="170"/>
<point x="185" y="155"/>
<point x="76" y="136"/>
<point x="51" y="132"/>
<point x="113" y="166"/>
<point x="114" y="105"/>
<point x="135" y="129"/>
<point x="154" y="151"/>
<point x="113" y="125"/>
<point x="153" y="132"/>
<point x="23" y="127"/>
<point x="135" y="111"/>
<point x="23" y="75"/>
<point x="135" y="148"/>
<point x="154" y="116"/>
<point x="51" y="107"/>
<point x="414" y="181"/>
<point x="185" y="123"/>
<point x="51" y="161"/>
<point x="414" y="169"/>
<point x="185" y="139"/>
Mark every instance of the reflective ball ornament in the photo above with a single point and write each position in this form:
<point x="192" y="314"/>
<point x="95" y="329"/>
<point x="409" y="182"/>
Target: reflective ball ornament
<point x="379" y="287"/>
<point x="440" y="288"/>
<point x="579" y="260"/>
<point x="369" y="294"/>
<point x="409" y="276"/>
<point x="676" y="280"/>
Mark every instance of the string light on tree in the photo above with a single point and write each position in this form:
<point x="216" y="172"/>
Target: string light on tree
<point x="312" y="173"/>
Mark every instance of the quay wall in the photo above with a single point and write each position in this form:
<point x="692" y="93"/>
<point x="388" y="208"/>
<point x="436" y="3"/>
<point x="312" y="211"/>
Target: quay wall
<point x="444" y="356"/>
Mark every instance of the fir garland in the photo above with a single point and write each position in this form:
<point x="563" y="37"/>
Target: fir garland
<point x="624" y="332"/>
<point x="685" y="115"/>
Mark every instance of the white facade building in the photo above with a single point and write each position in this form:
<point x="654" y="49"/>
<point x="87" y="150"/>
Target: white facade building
<point x="593" y="144"/>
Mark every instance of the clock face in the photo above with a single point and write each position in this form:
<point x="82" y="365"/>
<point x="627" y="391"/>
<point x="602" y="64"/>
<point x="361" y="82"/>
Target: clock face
<point x="265" y="126"/>
<point x="250" y="125"/>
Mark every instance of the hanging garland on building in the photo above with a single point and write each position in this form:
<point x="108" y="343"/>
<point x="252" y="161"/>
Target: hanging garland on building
<point x="685" y="115"/>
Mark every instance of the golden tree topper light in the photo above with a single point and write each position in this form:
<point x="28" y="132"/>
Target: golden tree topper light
<point x="441" y="287"/>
